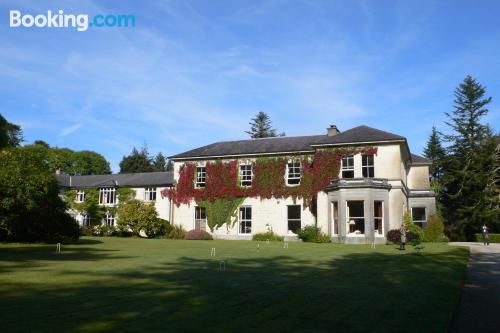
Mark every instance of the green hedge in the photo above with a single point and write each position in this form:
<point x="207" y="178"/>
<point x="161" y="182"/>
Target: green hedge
<point x="494" y="238"/>
<point x="263" y="236"/>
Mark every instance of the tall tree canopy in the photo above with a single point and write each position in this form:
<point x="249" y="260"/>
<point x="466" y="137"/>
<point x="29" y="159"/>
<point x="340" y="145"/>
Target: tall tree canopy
<point x="470" y="163"/>
<point x="11" y="135"/>
<point x="83" y="162"/>
<point x="30" y="206"/>
<point x="261" y="127"/>
<point x="436" y="153"/>
<point x="141" y="161"/>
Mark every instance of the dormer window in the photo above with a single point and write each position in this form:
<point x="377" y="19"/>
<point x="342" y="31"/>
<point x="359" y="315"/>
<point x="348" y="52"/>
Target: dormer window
<point x="367" y="166"/>
<point x="348" y="166"/>
<point x="107" y="196"/>
<point x="293" y="173"/>
<point x="80" y="196"/>
<point x="201" y="177"/>
<point x="150" y="194"/>
<point x="245" y="175"/>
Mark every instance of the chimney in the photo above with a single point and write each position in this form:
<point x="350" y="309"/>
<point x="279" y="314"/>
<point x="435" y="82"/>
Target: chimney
<point x="332" y="130"/>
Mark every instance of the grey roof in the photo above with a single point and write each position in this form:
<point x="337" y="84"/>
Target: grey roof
<point x="290" y="144"/>
<point x="141" y="179"/>
<point x="417" y="159"/>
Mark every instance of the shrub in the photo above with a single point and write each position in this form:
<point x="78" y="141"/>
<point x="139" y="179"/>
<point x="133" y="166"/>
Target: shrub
<point x="103" y="230"/>
<point x="177" y="232"/>
<point x="165" y="228"/>
<point x="264" y="236"/>
<point x="434" y="232"/>
<point x="313" y="234"/>
<point x="394" y="236"/>
<point x="494" y="238"/>
<point x="140" y="218"/>
<point x="197" y="234"/>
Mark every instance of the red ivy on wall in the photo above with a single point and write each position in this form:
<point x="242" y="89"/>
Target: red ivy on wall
<point x="318" y="171"/>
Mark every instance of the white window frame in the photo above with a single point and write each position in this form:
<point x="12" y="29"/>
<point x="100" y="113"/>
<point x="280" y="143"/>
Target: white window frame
<point x="244" y="222"/>
<point x="202" y="222"/>
<point x="80" y="196"/>
<point x="349" y="218"/>
<point x="288" y="219"/>
<point x="381" y="233"/>
<point x="201" y="176"/>
<point x="294" y="175"/>
<point x="150" y="194"/>
<point x="368" y="166"/>
<point x="335" y="217"/>
<point x="246" y="178"/>
<point x="345" y="167"/>
<point x="421" y="223"/>
<point x="110" y="219"/>
<point x="86" y="220"/>
<point x="107" y="196"/>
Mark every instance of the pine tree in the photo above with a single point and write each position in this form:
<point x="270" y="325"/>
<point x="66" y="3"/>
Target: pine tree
<point x="11" y="135"/>
<point x="137" y="161"/>
<point x="260" y="127"/>
<point x="436" y="153"/>
<point x="469" y="161"/>
<point x="160" y="163"/>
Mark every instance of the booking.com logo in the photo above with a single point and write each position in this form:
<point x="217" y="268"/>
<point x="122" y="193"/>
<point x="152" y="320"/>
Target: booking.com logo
<point x="60" y="20"/>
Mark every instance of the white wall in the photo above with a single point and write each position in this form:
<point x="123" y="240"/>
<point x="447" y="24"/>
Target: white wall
<point x="266" y="211"/>
<point x="418" y="177"/>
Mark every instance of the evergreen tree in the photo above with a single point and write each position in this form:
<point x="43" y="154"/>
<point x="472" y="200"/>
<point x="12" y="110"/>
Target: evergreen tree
<point x="469" y="163"/>
<point x="436" y="153"/>
<point x="260" y="127"/>
<point x="11" y="135"/>
<point x="160" y="163"/>
<point x="137" y="161"/>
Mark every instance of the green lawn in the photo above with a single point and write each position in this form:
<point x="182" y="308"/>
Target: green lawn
<point x="140" y="285"/>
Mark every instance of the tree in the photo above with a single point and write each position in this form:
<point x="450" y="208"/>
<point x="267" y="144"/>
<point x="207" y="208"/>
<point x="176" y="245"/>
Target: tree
<point x="30" y="207"/>
<point x="469" y="163"/>
<point x="137" y="161"/>
<point x="260" y="127"/>
<point x="139" y="216"/>
<point x="11" y="135"/>
<point x="436" y="153"/>
<point x="88" y="162"/>
<point x="83" y="162"/>
<point x="160" y="163"/>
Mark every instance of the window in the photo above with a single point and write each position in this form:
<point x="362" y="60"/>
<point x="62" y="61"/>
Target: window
<point x="245" y="175"/>
<point x="200" y="218"/>
<point x="150" y="194"/>
<point x="109" y="219"/>
<point x="107" y="196"/>
<point x="367" y="166"/>
<point x="201" y="177"/>
<point x="335" y="217"/>
<point x="294" y="223"/>
<point x="80" y="196"/>
<point x="86" y="220"/>
<point x="245" y="219"/>
<point x="348" y="166"/>
<point x="419" y="216"/>
<point x="378" y="217"/>
<point x="293" y="173"/>
<point x="356" y="217"/>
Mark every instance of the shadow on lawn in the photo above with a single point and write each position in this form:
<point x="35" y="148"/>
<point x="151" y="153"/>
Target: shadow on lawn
<point x="373" y="292"/>
<point x="12" y="258"/>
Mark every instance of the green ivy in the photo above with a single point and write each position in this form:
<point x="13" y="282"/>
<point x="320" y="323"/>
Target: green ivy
<point x="91" y="206"/>
<point x="220" y="211"/>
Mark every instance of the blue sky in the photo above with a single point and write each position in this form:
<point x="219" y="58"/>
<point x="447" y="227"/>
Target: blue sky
<point x="194" y="72"/>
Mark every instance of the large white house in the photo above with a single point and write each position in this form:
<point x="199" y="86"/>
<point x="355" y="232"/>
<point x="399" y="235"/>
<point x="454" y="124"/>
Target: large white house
<point x="366" y="199"/>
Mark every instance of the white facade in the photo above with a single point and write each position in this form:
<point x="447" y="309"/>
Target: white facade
<point x="396" y="186"/>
